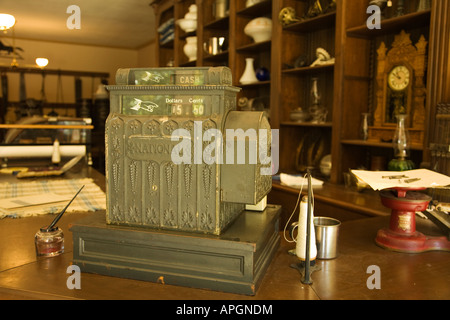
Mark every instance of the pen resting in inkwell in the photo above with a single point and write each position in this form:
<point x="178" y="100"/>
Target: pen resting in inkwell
<point x="49" y="240"/>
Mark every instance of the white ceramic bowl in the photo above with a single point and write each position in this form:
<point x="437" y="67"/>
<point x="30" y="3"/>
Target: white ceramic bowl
<point x="260" y="29"/>
<point x="187" y="25"/>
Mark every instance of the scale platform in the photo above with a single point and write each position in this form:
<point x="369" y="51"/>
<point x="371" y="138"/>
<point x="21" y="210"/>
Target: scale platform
<point x="234" y="261"/>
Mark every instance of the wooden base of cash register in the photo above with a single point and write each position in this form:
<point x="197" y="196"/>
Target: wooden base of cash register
<point x="233" y="262"/>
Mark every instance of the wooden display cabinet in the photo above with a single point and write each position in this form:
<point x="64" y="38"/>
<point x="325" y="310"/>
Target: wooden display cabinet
<point x="358" y="88"/>
<point x="308" y="141"/>
<point x="240" y="46"/>
<point x="347" y="87"/>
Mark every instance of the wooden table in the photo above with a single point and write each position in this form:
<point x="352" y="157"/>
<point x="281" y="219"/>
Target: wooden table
<point x="403" y="276"/>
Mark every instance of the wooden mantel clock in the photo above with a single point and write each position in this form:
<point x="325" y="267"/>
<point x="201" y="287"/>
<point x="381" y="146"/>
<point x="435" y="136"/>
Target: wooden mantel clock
<point x="400" y="88"/>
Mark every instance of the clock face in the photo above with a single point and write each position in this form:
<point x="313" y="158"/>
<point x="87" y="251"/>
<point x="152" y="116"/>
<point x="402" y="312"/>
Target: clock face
<point x="399" y="78"/>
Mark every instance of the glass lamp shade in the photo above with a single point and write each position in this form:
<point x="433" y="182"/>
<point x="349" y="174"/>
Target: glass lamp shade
<point x="42" y="62"/>
<point x="401" y="138"/>
<point x="401" y="147"/>
<point x="6" y="21"/>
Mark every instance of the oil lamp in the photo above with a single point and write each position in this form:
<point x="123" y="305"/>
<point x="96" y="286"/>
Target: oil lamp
<point x="401" y="147"/>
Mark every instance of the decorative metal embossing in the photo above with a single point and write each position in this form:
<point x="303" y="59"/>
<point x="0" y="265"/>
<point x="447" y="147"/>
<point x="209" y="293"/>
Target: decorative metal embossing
<point x="115" y="213"/>
<point x="134" y="126"/>
<point x="189" y="126"/>
<point x="152" y="128"/>
<point x="151" y="194"/>
<point x="115" y="152"/>
<point x="115" y="175"/>
<point x="188" y="218"/>
<point x="169" y="217"/>
<point x="187" y="179"/>
<point x="207" y="176"/>
<point x="206" y="220"/>
<point x="151" y="175"/>
<point x="169" y="172"/>
<point x="132" y="214"/>
<point x="133" y="175"/>
<point x="151" y="215"/>
<point x="169" y="127"/>
<point x="208" y="124"/>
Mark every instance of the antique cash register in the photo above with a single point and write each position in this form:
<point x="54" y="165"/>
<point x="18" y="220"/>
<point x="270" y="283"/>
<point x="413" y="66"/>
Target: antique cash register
<point x="181" y="166"/>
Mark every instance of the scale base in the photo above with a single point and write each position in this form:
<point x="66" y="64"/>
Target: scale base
<point x="233" y="262"/>
<point x="401" y="236"/>
<point x="301" y="267"/>
<point x="414" y="243"/>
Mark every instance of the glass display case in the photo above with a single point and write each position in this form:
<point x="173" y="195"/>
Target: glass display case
<point x="42" y="136"/>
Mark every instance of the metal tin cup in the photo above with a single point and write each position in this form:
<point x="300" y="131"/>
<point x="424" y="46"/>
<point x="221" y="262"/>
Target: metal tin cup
<point x="215" y="45"/>
<point x="327" y="233"/>
<point x="221" y="8"/>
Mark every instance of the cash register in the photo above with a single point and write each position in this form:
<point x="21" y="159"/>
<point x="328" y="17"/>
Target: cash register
<point x="182" y="164"/>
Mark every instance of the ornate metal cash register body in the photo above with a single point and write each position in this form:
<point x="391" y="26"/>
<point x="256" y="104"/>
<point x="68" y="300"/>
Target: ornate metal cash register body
<point x="145" y="186"/>
<point x="176" y="187"/>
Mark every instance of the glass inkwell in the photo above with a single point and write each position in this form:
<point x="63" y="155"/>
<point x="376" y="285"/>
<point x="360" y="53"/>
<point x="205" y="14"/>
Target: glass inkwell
<point x="49" y="240"/>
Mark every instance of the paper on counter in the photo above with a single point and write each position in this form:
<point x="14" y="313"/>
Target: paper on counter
<point x="418" y="178"/>
<point x="33" y="200"/>
<point x="298" y="181"/>
<point x="92" y="198"/>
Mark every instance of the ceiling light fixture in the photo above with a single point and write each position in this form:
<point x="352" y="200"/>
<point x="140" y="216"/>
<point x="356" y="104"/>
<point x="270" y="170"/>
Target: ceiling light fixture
<point x="42" y="62"/>
<point x="6" y="21"/>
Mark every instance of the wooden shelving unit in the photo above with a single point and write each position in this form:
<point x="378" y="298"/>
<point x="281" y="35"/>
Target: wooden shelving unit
<point x="355" y="88"/>
<point x="347" y="86"/>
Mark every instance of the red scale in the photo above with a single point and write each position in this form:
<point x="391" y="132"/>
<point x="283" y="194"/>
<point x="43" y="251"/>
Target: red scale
<point x="401" y="235"/>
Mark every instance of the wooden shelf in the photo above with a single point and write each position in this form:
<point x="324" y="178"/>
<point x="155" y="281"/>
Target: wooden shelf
<point x="415" y="19"/>
<point x="307" y="124"/>
<point x="324" y="21"/>
<point x="369" y="143"/>
<point x="223" y="56"/>
<point x="257" y="10"/>
<point x="167" y="45"/>
<point x="309" y="70"/>
<point x="255" y="47"/>
<point x="255" y="84"/>
<point x="188" y="34"/>
<point x="221" y="23"/>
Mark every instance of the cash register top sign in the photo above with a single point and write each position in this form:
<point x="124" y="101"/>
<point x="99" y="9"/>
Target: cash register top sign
<point x="162" y="124"/>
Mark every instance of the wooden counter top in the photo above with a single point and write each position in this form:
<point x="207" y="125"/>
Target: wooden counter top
<point x="403" y="276"/>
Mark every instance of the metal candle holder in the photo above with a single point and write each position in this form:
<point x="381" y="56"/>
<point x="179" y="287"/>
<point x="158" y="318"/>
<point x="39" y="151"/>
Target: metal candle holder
<point x="306" y="268"/>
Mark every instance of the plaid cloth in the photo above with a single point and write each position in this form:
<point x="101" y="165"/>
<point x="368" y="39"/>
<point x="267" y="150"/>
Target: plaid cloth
<point x="91" y="198"/>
